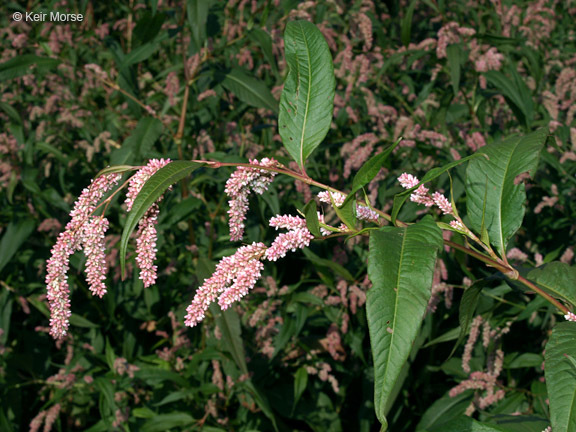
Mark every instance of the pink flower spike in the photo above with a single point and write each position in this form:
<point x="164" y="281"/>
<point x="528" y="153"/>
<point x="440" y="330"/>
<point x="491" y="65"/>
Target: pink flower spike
<point x="243" y="283"/>
<point x="442" y="202"/>
<point x="95" y="251"/>
<point x="238" y="187"/>
<point x="238" y="270"/>
<point x="146" y="246"/>
<point x="287" y="222"/>
<point x="290" y="241"/>
<point x="78" y="233"/>
<point x="570" y="317"/>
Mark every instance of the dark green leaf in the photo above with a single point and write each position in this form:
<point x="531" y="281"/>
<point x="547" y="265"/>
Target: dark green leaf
<point x="561" y="377"/>
<point x="467" y="309"/>
<point x="139" y="143"/>
<point x="493" y="198"/>
<point x="164" y="422"/>
<point x="23" y="64"/>
<point x="454" y="56"/>
<point x="14" y="236"/>
<point x="307" y="100"/>
<point x="558" y="279"/>
<point x="515" y="91"/>
<point x="250" y="90"/>
<point x="311" y="214"/>
<point x="400" y="265"/>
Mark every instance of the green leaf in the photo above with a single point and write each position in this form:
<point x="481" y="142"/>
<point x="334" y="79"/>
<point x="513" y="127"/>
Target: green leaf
<point x="346" y="212"/>
<point x="197" y="11"/>
<point x="444" y="410"/>
<point x="454" y="56"/>
<point x="262" y="38"/>
<point x="516" y="93"/>
<point x="164" y="422"/>
<point x="22" y="65"/>
<point x="311" y="214"/>
<point x="307" y="100"/>
<point x="116" y="169"/>
<point x="467" y="309"/>
<point x="400" y="265"/>
<point x="492" y="196"/>
<point x="400" y="199"/>
<point x="369" y="170"/>
<point x="558" y="279"/>
<point x="14" y="236"/>
<point x="229" y="324"/>
<point x="80" y="321"/>
<point x="300" y="383"/>
<point x="11" y="112"/>
<point x="139" y="143"/>
<point x="561" y="377"/>
<point x="406" y="23"/>
<point x="466" y="424"/>
<point x="322" y="262"/>
<point x="250" y="90"/>
<point x="149" y="194"/>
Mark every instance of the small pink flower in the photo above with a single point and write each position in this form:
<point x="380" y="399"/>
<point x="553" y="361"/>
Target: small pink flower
<point x="570" y="317"/>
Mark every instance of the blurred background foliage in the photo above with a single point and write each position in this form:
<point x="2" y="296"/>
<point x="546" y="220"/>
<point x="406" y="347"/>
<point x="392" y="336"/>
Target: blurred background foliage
<point x="200" y="79"/>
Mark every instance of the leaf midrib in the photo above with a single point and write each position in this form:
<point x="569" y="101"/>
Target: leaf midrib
<point x="397" y="286"/>
<point x="308" y="94"/>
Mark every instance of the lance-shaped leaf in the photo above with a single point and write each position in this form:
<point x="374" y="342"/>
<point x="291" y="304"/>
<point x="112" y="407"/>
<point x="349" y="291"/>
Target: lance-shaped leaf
<point x="307" y="100"/>
<point x="149" y="194"/>
<point x="558" y="279"/>
<point x="494" y="200"/>
<point x="560" y="376"/>
<point x="250" y="90"/>
<point x="400" y="265"/>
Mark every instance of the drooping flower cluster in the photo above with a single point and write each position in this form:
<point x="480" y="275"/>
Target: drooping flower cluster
<point x="146" y="235"/>
<point x="422" y="195"/>
<point x="297" y="237"/>
<point x="238" y="187"/>
<point x="84" y="231"/>
<point x="235" y="275"/>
